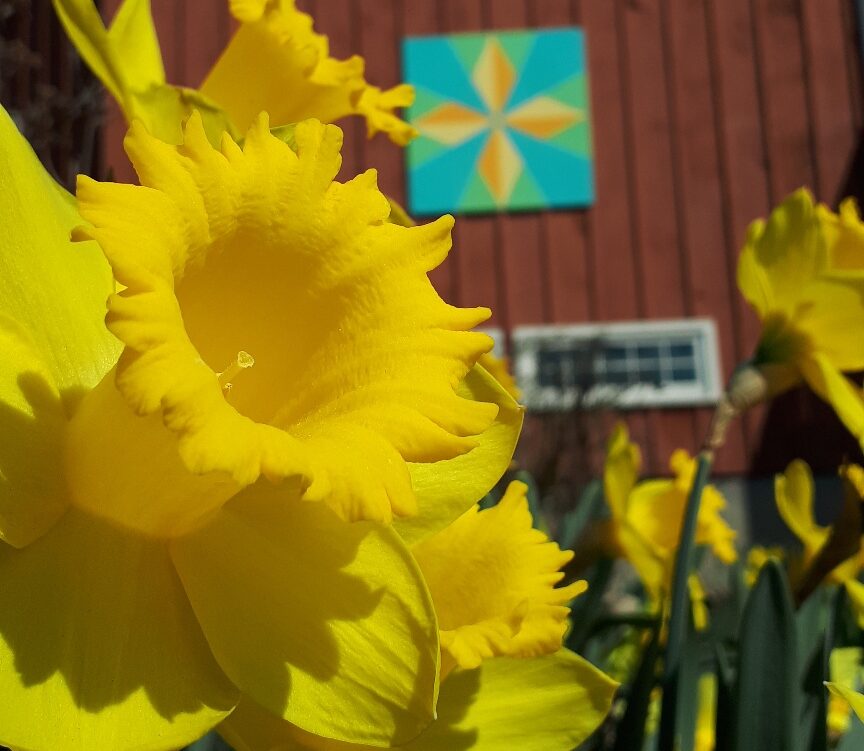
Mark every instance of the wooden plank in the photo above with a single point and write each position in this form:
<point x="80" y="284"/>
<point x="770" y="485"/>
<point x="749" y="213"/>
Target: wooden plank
<point x="657" y="242"/>
<point x="170" y="21"/>
<point x="206" y="25"/>
<point x="743" y="167"/>
<point x="611" y="263"/>
<point x="616" y="292"/>
<point x="780" y="58"/>
<point x="835" y="130"/>
<point x="708" y="276"/>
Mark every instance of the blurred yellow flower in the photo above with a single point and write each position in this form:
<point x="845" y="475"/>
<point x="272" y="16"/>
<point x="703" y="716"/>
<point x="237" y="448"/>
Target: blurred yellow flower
<point x="706" y="714"/>
<point x="499" y="367"/>
<point x="492" y="577"/>
<point x="647" y="516"/>
<point x="855" y="700"/>
<point x="844" y="669"/>
<point x="272" y="326"/>
<point x="274" y="62"/>
<point x="794" y="493"/>
<point x="801" y="271"/>
<point x="757" y="557"/>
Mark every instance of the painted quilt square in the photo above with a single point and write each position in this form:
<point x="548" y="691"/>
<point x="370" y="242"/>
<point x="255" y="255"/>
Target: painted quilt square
<point x="503" y="121"/>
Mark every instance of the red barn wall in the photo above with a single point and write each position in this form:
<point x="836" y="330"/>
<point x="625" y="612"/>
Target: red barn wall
<point x="705" y="115"/>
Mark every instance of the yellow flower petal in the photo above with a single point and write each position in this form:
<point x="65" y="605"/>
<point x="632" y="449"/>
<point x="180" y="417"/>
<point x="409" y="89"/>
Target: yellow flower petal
<point x="620" y="470"/>
<point x="100" y="648"/>
<point x="855" y="699"/>
<point x="786" y="255"/>
<point x="647" y="516"/>
<point x="492" y="579"/>
<point x="844" y="235"/>
<point x="258" y="251"/>
<point x="126" y="58"/>
<point x="706" y="715"/>
<point x="699" y="606"/>
<point x="793" y="491"/>
<point x="855" y="592"/>
<point x="447" y="489"/>
<point x="326" y="624"/>
<point x="499" y="369"/>
<point x="54" y="290"/>
<point x="845" y="397"/>
<point x="32" y="494"/>
<point x="799" y="270"/>
<point x="276" y="62"/>
<point x="549" y="703"/>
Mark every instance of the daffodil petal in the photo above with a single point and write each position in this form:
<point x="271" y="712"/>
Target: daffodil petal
<point x="447" y="489"/>
<point x="655" y="510"/>
<point x="621" y="469"/>
<point x="831" y="311"/>
<point x="783" y="255"/>
<point x="126" y="57"/>
<point x="550" y="703"/>
<point x="132" y="35"/>
<point x="259" y="250"/>
<point x="53" y="289"/>
<point x="793" y="492"/>
<point x="855" y="592"/>
<point x="855" y="699"/>
<point x="275" y="51"/>
<point x="492" y="578"/>
<point x="324" y="623"/>
<point x="100" y="648"/>
<point x="653" y="565"/>
<point x="832" y="386"/>
<point x="32" y="495"/>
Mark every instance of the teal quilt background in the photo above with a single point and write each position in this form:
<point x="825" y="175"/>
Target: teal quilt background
<point x="503" y="119"/>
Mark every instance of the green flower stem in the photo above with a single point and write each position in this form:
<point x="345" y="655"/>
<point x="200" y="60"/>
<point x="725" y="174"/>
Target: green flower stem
<point x="680" y="604"/>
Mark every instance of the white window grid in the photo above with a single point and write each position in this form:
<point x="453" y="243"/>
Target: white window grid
<point x="680" y="355"/>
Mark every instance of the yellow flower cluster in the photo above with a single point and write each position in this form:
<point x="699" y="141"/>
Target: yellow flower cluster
<point x="243" y="490"/>
<point x="646" y="516"/>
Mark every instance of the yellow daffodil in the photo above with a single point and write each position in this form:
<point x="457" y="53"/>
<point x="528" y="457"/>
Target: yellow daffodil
<point x="506" y="681"/>
<point x="647" y="516"/>
<point x="706" y="714"/>
<point x="801" y="271"/>
<point x="855" y="700"/>
<point x="844" y="669"/>
<point x="173" y="531"/>
<point x="499" y="368"/>
<point x="275" y="61"/>
<point x="794" y="494"/>
<point x="757" y="557"/>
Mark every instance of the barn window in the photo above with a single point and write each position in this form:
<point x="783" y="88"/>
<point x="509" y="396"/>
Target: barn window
<point x="628" y="365"/>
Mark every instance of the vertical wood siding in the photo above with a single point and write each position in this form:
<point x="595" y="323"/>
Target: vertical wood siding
<point x="705" y="114"/>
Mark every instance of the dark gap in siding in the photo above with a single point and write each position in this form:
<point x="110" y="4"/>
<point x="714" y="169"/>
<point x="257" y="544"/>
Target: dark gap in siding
<point x="632" y="197"/>
<point x="763" y="106"/>
<point x="807" y="65"/>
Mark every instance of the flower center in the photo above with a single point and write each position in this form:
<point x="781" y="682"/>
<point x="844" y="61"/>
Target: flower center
<point x="242" y="362"/>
